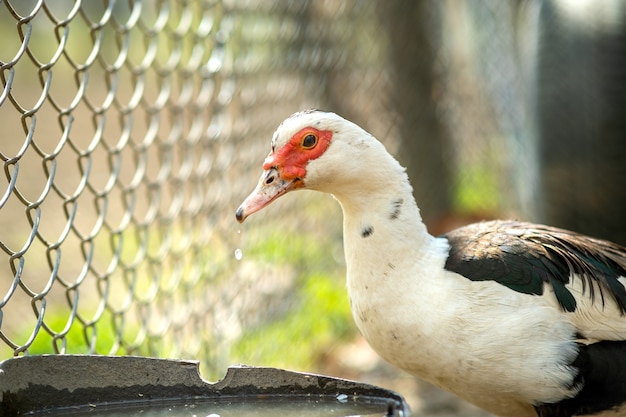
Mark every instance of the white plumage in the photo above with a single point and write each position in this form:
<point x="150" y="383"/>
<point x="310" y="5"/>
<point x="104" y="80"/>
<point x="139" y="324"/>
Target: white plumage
<point x="513" y="335"/>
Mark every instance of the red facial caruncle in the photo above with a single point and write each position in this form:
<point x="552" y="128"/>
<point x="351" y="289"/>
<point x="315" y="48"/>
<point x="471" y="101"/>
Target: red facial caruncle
<point x="291" y="160"/>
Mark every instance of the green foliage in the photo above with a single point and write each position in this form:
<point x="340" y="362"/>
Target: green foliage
<point x="319" y="319"/>
<point x="301" y="250"/>
<point x="477" y="190"/>
<point x="319" y="315"/>
<point x="74" y="341"/>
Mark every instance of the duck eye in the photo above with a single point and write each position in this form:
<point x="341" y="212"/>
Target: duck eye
<point x="309" y="141"/>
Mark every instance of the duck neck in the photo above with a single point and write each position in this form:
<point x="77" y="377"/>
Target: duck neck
<point x="392" y="262"/>
<point x="383" y="228"/>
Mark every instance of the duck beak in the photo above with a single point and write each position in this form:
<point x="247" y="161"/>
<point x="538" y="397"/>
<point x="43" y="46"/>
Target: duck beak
<point x="271" y="186"/>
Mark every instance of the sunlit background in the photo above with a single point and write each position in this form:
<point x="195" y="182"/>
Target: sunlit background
<point x="131" y="131"/>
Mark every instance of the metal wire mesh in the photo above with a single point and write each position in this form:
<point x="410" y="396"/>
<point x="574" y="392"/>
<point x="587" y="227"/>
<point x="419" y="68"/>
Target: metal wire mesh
<point x="132" y="129"/>
<point x="124" y="127"/>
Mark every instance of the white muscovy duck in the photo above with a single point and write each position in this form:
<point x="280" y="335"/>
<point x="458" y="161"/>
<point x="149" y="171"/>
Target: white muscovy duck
<point x="517" y="318"/>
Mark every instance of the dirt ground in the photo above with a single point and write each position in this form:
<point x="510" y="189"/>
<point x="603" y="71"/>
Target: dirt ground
<point x="357" y="361"/>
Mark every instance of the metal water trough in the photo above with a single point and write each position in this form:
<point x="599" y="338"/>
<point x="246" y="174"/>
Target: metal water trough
<point x="84" y="384"/>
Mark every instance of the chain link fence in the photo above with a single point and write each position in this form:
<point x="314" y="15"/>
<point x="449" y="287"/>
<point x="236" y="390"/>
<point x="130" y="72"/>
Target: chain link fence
<point x="131" y="131"/>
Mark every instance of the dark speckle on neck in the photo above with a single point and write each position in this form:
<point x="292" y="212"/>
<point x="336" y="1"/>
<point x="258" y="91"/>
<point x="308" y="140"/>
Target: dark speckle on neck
<point x="367" y="231"/>
<point x="395" y="208"/>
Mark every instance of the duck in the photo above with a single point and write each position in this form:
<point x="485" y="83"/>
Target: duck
<point x="520" y="319"/>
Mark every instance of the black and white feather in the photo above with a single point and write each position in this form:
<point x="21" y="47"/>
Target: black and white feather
<point x="525" y="257"/>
